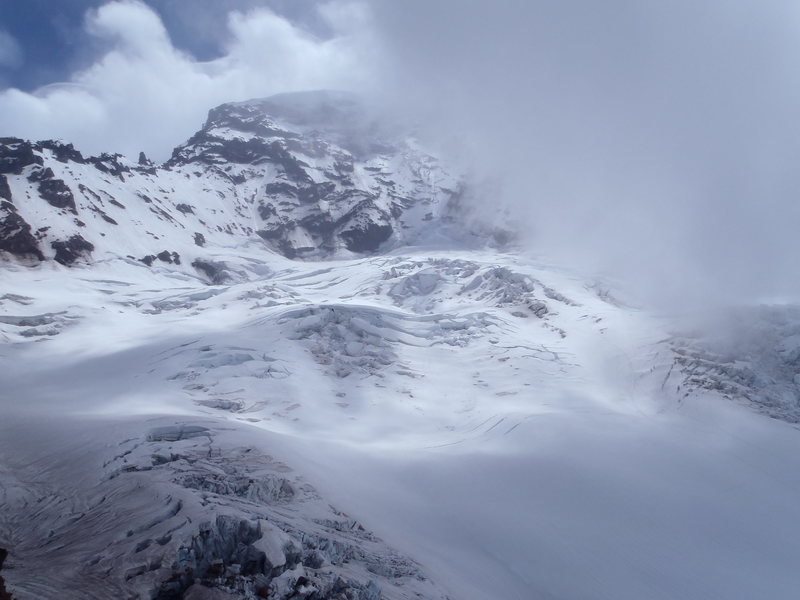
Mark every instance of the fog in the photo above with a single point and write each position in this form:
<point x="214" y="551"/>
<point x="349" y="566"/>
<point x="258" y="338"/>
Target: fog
<point x="656" y="142"/>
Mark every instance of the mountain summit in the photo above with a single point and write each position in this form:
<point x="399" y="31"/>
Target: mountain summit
<point x="310" y="174"/>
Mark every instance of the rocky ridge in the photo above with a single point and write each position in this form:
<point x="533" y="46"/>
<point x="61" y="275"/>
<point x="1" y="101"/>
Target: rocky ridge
<point x="307" y="175"/>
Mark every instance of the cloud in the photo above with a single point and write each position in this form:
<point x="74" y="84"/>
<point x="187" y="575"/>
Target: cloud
<point x="658" y="142"/>
<point x="10" y="52"/>
<point x="144" y="94"/>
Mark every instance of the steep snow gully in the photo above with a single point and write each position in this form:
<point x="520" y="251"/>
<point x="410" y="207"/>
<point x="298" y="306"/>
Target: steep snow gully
<point x="282" y="366"/>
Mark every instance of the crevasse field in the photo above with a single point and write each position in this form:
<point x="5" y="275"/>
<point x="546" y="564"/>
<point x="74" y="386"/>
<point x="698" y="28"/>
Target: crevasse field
<point x="502" y="428"/>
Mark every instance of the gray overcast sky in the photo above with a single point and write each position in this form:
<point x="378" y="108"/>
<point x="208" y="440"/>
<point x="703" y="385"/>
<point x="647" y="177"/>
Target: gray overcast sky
<point x="656" y="141"/>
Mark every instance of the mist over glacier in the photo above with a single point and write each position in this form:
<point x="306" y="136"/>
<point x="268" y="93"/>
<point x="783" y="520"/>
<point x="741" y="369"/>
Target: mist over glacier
<point x="655" y="143"/>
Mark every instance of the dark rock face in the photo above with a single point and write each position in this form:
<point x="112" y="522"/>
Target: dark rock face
<point x="164" y="256"/>
<point x="41" y="174"/>
<point x="365" y="227"/>
<point x="110" y="163"/>
<point x="215" y="271"/>
<point x="15" y="234"/>
<point x="67" y="252"/>
<point x="314" y="192"/>
<point x="199" y="239"/>
<point x="103" y="215"/>
<point x="4" y="594"/>
<point x="169" y="257"/>
<point x="16" y="154"/>
<point x="62" y="152"/>
<point x="5" y="191"/>
<point x="57" y="194"/>
<point x="367" y="237"/>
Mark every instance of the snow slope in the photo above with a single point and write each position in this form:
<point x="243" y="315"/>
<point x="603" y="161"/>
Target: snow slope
<point x="494" y="419"/>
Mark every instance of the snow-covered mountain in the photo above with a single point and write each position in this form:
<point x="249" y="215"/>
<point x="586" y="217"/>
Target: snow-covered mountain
<point x="269" y="368"/>
<point x="308" y="175"/>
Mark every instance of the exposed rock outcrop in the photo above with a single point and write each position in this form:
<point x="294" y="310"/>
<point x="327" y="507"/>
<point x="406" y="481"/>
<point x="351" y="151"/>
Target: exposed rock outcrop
<point x="72" y="249"/>
<point x="16" y="236"/>
<point x="4" y="594"/>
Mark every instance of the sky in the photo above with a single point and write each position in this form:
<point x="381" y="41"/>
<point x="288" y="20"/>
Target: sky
<point x="46" y="40"/>
<point x="124" y="76"/>
<point x="651" y="141"/>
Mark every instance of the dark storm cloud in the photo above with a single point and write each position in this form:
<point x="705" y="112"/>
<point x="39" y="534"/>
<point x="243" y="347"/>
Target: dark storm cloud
<point x="654" y="140"/>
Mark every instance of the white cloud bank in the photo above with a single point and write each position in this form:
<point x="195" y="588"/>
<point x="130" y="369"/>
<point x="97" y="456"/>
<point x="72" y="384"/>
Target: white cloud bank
<point x="144" y="94"/>
<point x="656" y="141"/>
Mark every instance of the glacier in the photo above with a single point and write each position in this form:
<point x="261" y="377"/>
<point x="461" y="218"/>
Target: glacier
<point x="340" y="390"/>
